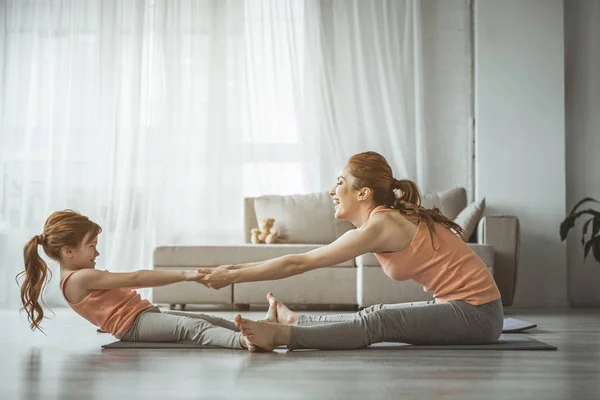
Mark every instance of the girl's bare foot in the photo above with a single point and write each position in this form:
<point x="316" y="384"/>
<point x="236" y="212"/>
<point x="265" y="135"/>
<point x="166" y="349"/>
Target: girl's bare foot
<point x="264" y="335"/>
<point x="284" y="315"/>
<point x="246" y="344"/>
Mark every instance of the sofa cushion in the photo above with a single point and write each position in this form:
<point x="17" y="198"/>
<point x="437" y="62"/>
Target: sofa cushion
<point x="309" y="218"/>
<point x="303" y="218"/>
<point x="321" y="286"/>
<point x="470" y="217"/>
<point x="450" y="202"/>
<point x="484" y="251"/>
<point x="213" y="256"/>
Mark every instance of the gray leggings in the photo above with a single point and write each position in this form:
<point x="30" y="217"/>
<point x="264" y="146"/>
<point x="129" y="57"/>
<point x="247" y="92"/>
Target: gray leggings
<point x="154" y="326"/>
<point x="454" y="322"/>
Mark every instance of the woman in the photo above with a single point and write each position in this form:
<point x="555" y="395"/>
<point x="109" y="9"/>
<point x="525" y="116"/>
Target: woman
<point x="410" y="242"/>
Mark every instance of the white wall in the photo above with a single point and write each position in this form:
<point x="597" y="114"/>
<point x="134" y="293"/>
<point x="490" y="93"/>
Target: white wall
<point x="520" y="134"/>
<point x="447" y="94"/>
<point x="582" y="46"/>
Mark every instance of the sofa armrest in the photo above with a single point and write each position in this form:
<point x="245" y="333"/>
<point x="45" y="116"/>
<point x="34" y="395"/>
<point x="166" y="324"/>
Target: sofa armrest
<point x="503" y="233"/>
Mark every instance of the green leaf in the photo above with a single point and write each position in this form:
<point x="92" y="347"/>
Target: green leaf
<point x="585" y="228"/>
<point x="596" y="226"/>
<point x="566" y="226"/>
<point x="590" y="211"/>
<point x="594" y="241"/>
<point x="581" y="202"/>
<point x="596" y="248"/>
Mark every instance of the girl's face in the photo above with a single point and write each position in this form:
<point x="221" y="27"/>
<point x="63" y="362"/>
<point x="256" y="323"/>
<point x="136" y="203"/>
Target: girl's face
<point x="84" y="256"/>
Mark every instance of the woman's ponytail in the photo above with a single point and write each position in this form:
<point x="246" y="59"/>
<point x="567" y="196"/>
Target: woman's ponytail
<point x="408" y="203"/>
<point x="371" y="169"/>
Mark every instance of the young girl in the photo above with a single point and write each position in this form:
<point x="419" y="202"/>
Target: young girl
<point x="106" y="299"/>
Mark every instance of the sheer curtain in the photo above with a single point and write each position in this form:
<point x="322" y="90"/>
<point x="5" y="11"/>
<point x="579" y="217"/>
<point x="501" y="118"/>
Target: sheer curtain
<point x="155" y="118"/>
<point x="366" y="85"/>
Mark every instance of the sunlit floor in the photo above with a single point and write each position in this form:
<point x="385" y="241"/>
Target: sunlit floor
<point x="68" y="363"/>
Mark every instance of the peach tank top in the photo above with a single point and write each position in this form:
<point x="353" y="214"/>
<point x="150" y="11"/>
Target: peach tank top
<point x="447" y="267"/>
<point x="112" y="310"/>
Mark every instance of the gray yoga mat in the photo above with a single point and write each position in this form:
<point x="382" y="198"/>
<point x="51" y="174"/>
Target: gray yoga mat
<point x="513" y="325"/>
<point x="512" y="342"/>
<point x="506" y="342"/>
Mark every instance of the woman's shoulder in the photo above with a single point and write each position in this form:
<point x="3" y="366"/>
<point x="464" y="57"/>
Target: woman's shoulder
<point x="377" y="218"/>
<point x="379" y="210"/>
<point x="391" y="217"/>
<point x="396" y="231"/>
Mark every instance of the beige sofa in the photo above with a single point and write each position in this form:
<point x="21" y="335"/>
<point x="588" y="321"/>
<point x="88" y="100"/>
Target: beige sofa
<point x="306" y="223"/>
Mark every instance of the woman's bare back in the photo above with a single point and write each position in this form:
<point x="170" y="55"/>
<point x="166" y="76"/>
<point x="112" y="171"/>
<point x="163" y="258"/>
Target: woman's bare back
<point x="397" y="231"/>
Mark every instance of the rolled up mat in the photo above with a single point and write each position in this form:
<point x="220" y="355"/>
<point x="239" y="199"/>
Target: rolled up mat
<point x="512" y="325"/>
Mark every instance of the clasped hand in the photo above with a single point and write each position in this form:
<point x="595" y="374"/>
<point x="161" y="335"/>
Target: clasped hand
<point x="215" y="278"/>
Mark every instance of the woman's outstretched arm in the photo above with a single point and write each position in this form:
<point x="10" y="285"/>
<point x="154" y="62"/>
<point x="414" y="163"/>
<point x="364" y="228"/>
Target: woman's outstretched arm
<point x="351" y="244"/>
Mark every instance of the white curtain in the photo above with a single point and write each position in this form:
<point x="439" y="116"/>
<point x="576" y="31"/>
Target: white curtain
<point x="366" y="84"/>
<point x="155" y="118"/>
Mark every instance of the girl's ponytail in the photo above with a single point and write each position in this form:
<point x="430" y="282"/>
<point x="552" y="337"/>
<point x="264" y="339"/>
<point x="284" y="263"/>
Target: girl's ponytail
<point x="36" y="275"/>
<point x="62" y="228"/>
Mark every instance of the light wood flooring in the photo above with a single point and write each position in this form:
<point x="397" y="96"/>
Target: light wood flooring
<point x="68" y="363"/>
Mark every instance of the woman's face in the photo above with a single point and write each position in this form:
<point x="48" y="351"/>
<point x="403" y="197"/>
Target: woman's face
<point x="344" y="196"/>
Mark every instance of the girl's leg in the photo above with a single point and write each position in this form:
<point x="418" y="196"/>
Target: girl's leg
<point x="154" y="326"/>
<point x="211" y="319"/>
<point x="270" y="316"/>
<point x="442" y="323"/>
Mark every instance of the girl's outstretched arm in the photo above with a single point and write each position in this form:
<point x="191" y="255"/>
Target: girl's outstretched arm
<point x="92" y="279"/>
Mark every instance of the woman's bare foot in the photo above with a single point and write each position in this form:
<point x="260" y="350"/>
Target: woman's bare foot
<point x="271" y="315"/>
<point x="264" y="335"/>
<point x="285" y="316"/>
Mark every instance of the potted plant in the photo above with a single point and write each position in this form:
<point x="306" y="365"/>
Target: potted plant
<point x="592" y="242"/>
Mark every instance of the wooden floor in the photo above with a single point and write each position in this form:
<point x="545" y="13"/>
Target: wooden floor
<point x="69" y="364"/>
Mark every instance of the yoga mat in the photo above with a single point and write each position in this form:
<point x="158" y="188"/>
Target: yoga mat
<point x="506" y="342"/>
<point x="512" y="342"/>
<point x="512" y="325"/>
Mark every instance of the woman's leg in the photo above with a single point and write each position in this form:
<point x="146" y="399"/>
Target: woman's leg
<point x="154" y="326"/>
<point x="441" y="323"/>
<point x="286" y="316"/>
<point x="305" y="320"/>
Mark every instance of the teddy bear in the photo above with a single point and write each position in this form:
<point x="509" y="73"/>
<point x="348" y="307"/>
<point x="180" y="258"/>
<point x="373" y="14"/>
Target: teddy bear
<point x="266" y="233"/>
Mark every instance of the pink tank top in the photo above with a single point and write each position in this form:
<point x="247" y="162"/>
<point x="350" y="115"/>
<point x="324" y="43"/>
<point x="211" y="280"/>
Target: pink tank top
<point x="448" y="267"/>
<point x="112" y="310"/>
